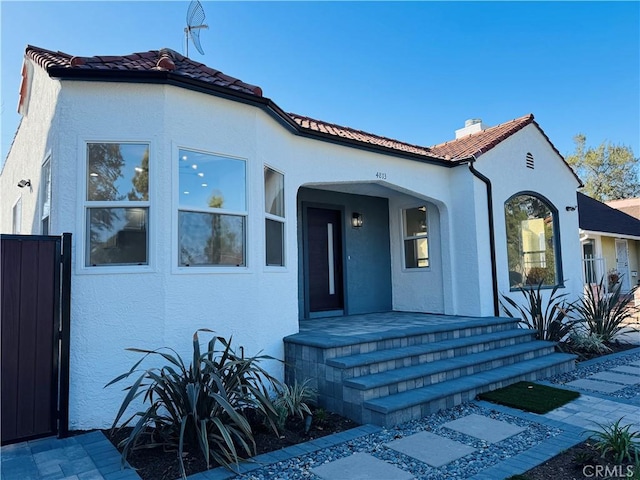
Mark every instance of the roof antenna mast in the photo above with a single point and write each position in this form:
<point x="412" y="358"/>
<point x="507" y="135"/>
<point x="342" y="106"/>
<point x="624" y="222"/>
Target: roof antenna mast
<point x="195" y="19"/>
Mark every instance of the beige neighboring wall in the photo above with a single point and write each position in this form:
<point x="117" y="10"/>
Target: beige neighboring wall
<point x="630" y="206"/>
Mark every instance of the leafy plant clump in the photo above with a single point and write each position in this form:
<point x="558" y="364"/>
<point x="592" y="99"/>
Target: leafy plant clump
<point x="205" y="405"/>
<point x="604" y="314"/>
<point x="616" y="441"/>
<point x="588" y="342"/>
<point x="292" y="401"/>
<point x="549" y="319"/>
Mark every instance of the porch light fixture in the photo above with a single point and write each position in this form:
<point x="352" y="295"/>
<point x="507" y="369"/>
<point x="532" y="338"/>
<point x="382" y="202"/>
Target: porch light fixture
<point x="571" y="208"/>
<point x="24" y="183"/>
<point x="356" y="220"/>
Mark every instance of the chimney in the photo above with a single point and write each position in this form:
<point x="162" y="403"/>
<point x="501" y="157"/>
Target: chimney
<point x="473" y="125"/>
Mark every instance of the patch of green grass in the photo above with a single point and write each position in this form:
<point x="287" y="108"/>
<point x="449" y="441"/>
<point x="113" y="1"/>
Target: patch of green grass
<point x="530" y="397"/>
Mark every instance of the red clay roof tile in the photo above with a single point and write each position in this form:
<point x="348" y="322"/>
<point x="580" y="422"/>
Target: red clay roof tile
<point x="166" y="59"/>
<point x="153" y="60"/>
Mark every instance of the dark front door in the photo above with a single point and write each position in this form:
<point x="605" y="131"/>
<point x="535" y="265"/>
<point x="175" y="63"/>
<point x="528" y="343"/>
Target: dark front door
<point x="324" y="259"/>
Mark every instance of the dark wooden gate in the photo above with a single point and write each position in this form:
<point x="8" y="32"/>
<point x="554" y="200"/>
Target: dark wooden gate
<point x="35" y="288"/>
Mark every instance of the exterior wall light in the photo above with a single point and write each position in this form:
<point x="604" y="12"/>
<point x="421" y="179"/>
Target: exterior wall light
<point x="24" y="183"/>
<point x="356" y="220"/>
<point x="571" y="208"/>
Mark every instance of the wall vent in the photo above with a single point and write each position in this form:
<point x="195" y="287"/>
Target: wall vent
<point x="530" y="161"/>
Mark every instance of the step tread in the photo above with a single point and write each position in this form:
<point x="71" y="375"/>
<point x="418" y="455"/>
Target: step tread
<point x="366" y="382"/>
<point x="436" y="391"/>
<point x="368" y="358"/>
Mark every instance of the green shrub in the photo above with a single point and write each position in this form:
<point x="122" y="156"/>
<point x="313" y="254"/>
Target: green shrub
<point x="204" y="405"/>
<point x="550" y="321"/>
<point x="292" y="401"/>
<point x="605" y="314"/>
<point x="588" y="342"/>
<point x="615" y="441"/>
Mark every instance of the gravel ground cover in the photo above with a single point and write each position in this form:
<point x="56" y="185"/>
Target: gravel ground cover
<point x="583" y="371"/>
<point x="486" y="454"/>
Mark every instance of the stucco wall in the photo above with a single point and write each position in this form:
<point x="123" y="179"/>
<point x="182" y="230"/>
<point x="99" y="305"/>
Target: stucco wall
<point x="506" y="166"/>
<point x="32" y="144"/>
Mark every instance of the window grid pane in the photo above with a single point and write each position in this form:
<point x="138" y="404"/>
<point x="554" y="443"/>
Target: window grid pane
<point x="206" y="239"/>
<point x="274" y="243"/>
<point x="117" y="236"/>
<point x="273" y="192"/>
<point x="117" y="172"/>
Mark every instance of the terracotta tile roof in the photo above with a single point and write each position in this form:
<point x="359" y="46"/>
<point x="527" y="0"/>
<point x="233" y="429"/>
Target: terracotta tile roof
<point x="480" y="142"/>
<point x="164" y="60"/>
<point x="358" y="135"/>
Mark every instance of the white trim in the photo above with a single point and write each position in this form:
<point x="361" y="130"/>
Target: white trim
<point x="17" y="206"/>
<point x="609" y="234"/>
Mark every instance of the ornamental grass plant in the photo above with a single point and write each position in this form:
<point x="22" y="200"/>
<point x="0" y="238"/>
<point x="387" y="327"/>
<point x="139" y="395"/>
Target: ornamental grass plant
<point x="606" y="314"/>
<point x="550" y="319"/>
<point x="205" y="405"/>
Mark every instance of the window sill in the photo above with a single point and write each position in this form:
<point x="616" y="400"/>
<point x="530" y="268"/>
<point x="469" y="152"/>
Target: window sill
<point x="115" y="269"/>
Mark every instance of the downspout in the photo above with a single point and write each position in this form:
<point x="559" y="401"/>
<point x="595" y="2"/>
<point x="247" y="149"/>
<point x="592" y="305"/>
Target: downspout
<point x="492" y="238"/>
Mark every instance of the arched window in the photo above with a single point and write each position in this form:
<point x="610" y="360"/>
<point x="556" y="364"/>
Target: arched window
<point x="532" y="241"/>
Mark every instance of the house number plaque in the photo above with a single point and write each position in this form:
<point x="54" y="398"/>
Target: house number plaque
<point x="381" y="175"/>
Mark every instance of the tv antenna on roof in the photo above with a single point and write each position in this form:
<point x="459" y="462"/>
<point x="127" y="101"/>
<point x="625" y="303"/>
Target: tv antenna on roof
<point x="195" y="19"/>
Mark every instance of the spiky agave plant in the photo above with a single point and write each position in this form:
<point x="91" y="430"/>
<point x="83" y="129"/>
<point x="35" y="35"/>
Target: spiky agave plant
<point x="606" y="315"/>
<point x="549" y="319"/>
<point x="205" y="404"/>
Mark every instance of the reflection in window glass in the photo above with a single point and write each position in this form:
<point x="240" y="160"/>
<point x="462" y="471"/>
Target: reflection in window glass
<point x="117" y="179"/>
<point x="416" y="245"/>
<point x="274" y="222"/>
<point x="531" y="250"/>
<point x="273" y="192"/>
<point x="117" y="236"/>
<point x="210" y="181"/>
<point x="275" y="243"/>
<point x="212" y="210"/>
<point x="117" y="172"/>
<point x="45" y="198"/>
<point x="211" y="239"/>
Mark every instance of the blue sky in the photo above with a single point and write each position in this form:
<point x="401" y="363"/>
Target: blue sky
<point x="413" y="71"/>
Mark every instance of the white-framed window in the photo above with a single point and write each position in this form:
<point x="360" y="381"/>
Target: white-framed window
<point x="415" y="236"/>
<point x="45" y="197"/>
<point x="212" y="210"/>
<point x="274" y="217"/>
<point x="117" y="204"/>
<point x="16" y="217"/>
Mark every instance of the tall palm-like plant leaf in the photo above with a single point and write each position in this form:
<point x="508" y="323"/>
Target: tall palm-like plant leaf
<point x="606" y="315"/>
<point x="549" y="319"/>
<point x="202" y="406"/>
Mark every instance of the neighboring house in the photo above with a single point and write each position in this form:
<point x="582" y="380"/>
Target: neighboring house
<point x="630" y="206"/>
<point x="610" y="242"/>
<point x="195" y="202"/>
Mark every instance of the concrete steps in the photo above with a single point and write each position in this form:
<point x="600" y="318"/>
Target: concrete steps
<point x="388" y="376"/>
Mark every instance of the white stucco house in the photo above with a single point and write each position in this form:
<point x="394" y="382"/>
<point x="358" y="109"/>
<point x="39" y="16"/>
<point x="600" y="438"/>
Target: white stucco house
<point x="195" y="201"/>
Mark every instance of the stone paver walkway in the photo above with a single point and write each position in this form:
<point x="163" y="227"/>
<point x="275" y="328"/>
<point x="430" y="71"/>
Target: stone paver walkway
<point x="92" y="457"/>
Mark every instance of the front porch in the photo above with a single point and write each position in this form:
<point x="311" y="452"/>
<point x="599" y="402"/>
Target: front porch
<point x="388" y="368"/>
